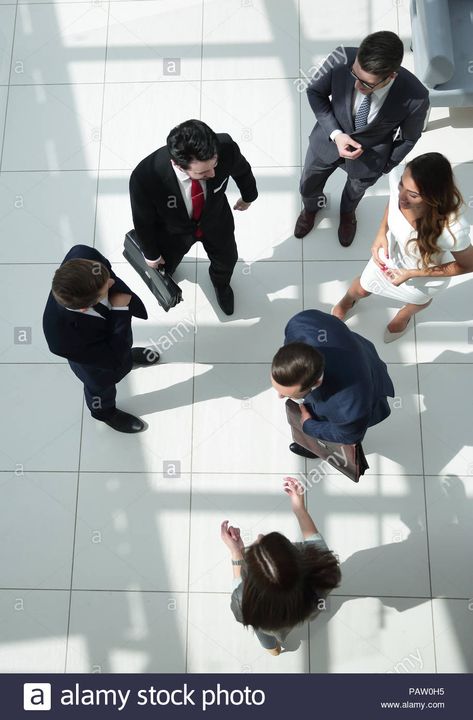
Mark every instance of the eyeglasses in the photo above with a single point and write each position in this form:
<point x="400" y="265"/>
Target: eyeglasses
<point x="368" y="86"/>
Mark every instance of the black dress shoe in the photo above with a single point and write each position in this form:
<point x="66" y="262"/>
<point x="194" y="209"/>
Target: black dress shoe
<point x="347" y="228"/>
<point x="299" y="450"/>
<point x="225" y="298"/>
<point x="124" y="422"/>
<point x="144" y="356"/>
<point x="304" y="224"/>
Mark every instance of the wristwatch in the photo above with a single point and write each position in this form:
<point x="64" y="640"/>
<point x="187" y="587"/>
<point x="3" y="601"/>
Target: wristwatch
<point x="237" y="562"/>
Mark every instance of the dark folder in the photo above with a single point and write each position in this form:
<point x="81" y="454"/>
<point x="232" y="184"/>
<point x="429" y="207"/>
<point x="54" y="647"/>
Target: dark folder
<point x="165" y="290"/>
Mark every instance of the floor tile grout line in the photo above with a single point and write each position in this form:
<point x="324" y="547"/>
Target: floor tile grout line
<point x="421" y="437"/>
<point x="121" y="168"/>
<point x="354" y="596"/>
<point x="245" y="473"/>
<point x="74" y="538"/>
<point x="202" y="261"/>
<point x="7" y="100"/>
<point x="189" y="545"/>
<point x="434" y="639"/>
<point x="424" y="481"/>
<point x="51" y="171"/>
<point x="82" y="415"/>
<point x="306" y="464"/>
<point x="99" y="157"/>
<point x="183" y="81"/>
<point x="425" y="494"/>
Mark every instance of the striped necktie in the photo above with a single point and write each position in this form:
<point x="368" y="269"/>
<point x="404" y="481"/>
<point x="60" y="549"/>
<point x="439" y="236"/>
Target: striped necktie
<point x="361" y="118"/>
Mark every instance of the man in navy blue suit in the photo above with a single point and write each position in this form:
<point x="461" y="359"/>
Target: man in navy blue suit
<point x="335" y="375"/>
<point x="88" y="321"/>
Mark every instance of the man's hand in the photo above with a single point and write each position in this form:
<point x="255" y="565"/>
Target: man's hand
<point x="305" y="414"/>
<point x="241" y="205"/>
<point x="156" y="263"/>
<point x="347" y="147"/>
<point x="119" y="299"/>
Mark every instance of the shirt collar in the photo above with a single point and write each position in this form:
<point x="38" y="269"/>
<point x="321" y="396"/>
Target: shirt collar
<point x="103" y="301"/>
<point x="180" y="174"/>
<point x="382" y="92"/>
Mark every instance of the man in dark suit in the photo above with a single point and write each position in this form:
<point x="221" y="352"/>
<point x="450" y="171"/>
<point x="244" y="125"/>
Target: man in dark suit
<point x="335" y="375"/>
<point x="178" y="197"/>
<point x="88" y="321"/>
<point x="370" y="113"/>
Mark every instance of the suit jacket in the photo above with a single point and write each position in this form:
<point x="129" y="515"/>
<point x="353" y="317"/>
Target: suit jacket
<point x="352" y="396"/>
<point x="158" y="208"/>
<point x="405" y="107"/>
<point x="87" y="339"/>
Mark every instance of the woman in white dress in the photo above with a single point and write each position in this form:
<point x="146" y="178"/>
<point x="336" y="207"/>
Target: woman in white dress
<point x="422" y="242"/>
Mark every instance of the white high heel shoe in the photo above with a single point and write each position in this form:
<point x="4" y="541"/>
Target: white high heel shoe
<point x="348" y="313"/>
<point x="390" y="337"/>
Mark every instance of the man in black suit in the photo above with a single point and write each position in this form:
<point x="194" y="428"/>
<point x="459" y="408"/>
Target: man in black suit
<point x="88" y="321"/>
<point x="370" y="113"/>
<point x="335" y="375"/>
<point x="178" y="197"/>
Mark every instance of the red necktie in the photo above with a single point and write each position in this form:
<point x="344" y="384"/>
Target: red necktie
<point x="197" y="195"/>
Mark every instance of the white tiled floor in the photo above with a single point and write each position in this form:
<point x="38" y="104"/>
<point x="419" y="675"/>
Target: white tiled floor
<point x="105" y="563"/>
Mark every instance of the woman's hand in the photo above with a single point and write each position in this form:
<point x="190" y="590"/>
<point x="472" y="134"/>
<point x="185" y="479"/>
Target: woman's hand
<point x="380" y="243"/>
<point x="397" y="276"/>
<point x="296" y="491"/>
<point x="232" y="539"/>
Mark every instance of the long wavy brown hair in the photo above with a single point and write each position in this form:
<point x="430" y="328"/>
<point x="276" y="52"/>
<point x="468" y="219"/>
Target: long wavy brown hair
<point x="433" y="175"/>
<point x="281" y="581"/>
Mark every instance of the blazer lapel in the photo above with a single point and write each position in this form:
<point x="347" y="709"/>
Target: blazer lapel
<point x="392" y="100"/>
<point x="210" y="186"/>
<point x="175" y="189"/>
<point x="349" y="87"/>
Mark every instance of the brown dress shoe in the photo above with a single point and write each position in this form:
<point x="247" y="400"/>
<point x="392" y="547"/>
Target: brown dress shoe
<point x="347" y="228"/>
<point x="304" y="224"/>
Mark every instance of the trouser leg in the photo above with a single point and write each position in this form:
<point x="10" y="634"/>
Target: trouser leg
<point x="175" y="249"/>
<point x="314" y="176"/>
<point x="223" y="255"/>
<point x="353" y="191"/>
<point x="100" y="386"/>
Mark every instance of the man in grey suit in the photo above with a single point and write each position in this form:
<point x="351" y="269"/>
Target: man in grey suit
<point x="370" y="113"/>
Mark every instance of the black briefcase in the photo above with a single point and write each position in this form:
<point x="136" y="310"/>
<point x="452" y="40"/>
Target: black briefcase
<point x="165" y="290"/>
<point x="354" y="461"/>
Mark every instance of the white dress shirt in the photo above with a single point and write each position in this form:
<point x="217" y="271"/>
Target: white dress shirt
<point x="91" y="311"/>
<point x="185" y="183"/>
<point x="377" y="99"/>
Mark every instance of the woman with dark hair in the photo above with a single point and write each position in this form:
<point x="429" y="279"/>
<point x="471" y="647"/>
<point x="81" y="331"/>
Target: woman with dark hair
<point x="279" y="584"/>
<point x="422" y="242"/>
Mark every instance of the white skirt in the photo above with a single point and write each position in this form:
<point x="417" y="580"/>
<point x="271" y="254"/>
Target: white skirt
<point x="417" y="291"/>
